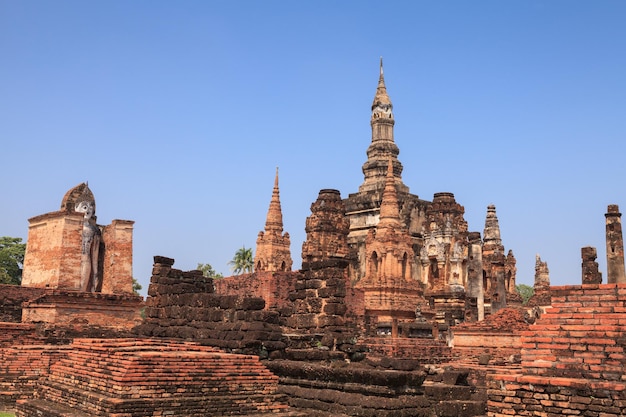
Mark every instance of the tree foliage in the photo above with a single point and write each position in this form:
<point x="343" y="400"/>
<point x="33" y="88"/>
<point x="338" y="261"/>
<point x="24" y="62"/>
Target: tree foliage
<point x="208" y="271"/>
<point x="525" y="291"/>
<point x="11" y="260"/>
<point x="136" y="287"/>
<point x="243" y="261"/>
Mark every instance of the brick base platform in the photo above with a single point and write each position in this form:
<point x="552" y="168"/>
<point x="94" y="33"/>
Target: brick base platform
<point x="134" y="377"/>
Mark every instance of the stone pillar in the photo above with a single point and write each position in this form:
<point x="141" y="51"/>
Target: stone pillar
<point x="394" y="328"/>
<point x="118" y="257"/>
<point x="475" y="292"/>
<point x="591" y="275"/>
<point x="614" y="246"/>
<point x="498" y="297"/>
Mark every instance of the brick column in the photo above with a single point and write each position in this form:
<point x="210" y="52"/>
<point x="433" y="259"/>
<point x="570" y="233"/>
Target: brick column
<point x="614" y="246"/>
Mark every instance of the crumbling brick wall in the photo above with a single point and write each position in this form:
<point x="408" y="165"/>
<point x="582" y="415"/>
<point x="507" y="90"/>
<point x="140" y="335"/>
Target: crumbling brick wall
<point x="573" y="358"/>
<point x="496" y="339"/>
<point x="21" y="368"/>
<point x="11" y="299"/>
<point x="184" y="305"/>
<point x="273" y="287"/>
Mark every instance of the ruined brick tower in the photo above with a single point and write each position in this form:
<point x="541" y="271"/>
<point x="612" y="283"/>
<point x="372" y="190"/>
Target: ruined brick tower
<point x="363" y="207"/>
<point x="614" y="246"/>
<point x="272" y="246"/>
<point x="500" y="270"/>
<point x="56" y="251"/>
<point x="436" y="231"/>
<point x="444" y="253"/>
<point x="390" y="292"/>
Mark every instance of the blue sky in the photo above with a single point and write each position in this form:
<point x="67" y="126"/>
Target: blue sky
<point x="178" y="113"/>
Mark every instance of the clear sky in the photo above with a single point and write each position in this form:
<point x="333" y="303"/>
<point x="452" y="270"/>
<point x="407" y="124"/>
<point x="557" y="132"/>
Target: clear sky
<point x="177" y="113"/>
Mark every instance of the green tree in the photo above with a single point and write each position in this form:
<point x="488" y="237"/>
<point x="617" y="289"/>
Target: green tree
<point x="11" y="260"/>
<point x="525" y="291"/>
<point x="243" y="261"/>
<point x="208" y="271"/>
<point x="136" y="286"/>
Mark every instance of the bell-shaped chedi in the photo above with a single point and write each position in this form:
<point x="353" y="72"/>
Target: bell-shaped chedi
<point x="273" y="251"/>
<point x="67" y="250"/>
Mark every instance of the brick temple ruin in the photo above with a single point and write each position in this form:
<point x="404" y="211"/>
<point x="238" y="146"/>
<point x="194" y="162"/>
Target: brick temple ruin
<point x="398" y="310"/>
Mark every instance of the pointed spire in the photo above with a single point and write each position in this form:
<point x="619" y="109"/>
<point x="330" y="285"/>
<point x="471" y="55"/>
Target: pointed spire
<point x="272" y="246"/>
<point x="382" y="146"/>
<point x="492" y="227"/>
<point x="274" y="221"/>
<point x="389" y="212"/>
<point x="382" y="102"/>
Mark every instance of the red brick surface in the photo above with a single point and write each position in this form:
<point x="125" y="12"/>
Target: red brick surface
<point x="572" y="359"/>
<point x="273" y="287"/>
<point x="132" y="377"/>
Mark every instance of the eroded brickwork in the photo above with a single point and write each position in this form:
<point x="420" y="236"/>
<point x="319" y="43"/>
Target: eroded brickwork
<point x="67" y="308"/>
<point x="496" y="340"/>
<point x="11" y="299"/>
<point x="541" y="297"/>
<point x="390" y="292"/>
<point x="590" y="272"/>
<point x="273" y="287"/>
<point x="573" y="358"/>
<point x="184" y="305"/>
<point x="130" y="377"/>
<point x="23" y="366"/>
<point x="614" y="246"/>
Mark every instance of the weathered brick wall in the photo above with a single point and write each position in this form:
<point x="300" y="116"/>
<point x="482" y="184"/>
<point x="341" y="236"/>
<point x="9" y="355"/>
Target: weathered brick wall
<point x="273" y="287"/>
<point x="422" y="350"/>
<point x="12" y="334"/>
<point x="22" y="366"/>
<point x="184" y="305"/>
<point x="319" y="308"/>
<point x="376" y="392"/>
<point x="498" y="336"/>
<point x="118" y="257"/>
<point x="573" y="358"/>
<point x="52" y="258"/>
<point x="11" y="299"/>
<point x="68" y="308"/>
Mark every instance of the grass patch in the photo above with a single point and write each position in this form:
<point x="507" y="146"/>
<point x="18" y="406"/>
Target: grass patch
<point x="3" y="414"/>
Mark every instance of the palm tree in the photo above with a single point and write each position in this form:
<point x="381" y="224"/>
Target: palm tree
<point x="243" y="261"/>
